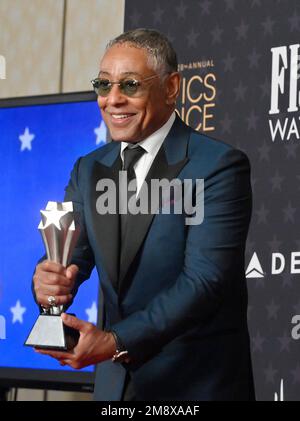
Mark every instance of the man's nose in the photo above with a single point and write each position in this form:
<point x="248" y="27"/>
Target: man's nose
<point x="115" y="96"/>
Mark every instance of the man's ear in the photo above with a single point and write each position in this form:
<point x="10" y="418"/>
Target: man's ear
<point x="172" y="87"/>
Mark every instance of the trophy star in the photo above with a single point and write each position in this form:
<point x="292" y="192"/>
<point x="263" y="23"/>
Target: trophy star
<point x="53" y="217"/>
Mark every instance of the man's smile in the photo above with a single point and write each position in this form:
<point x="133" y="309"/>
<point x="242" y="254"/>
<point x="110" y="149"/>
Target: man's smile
<point x="121" y="119"/>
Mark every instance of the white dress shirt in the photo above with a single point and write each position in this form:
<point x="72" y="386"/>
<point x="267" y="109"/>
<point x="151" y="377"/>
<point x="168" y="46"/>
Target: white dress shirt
<point x="151" y="145"/>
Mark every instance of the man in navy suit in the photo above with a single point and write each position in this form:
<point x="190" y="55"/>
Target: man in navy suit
<point x="174" y="297"/>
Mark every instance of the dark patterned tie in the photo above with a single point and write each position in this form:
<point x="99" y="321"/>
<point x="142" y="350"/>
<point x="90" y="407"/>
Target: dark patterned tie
<point x="131" y="156"/>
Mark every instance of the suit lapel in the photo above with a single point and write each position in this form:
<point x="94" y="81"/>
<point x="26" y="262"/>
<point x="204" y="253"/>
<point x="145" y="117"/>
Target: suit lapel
<point x="170" y="160"/>
<point x="106" y="227"/>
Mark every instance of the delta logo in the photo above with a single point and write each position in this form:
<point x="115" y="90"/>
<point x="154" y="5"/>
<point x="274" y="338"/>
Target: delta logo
<point x="254" y="269"/>
<point x="279" y="264"/>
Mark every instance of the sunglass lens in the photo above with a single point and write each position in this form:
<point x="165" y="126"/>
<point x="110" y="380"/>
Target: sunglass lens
<point x="129" y="87"/>
<point x="102" y="87"/>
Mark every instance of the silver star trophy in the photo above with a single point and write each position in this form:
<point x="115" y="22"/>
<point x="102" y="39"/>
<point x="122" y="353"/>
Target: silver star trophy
<point x="60" y="230"/>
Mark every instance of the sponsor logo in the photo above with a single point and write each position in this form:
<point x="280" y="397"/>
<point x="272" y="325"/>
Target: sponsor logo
<point x="197" y="101"/>
<point x="279" y="264"/>
<point x="284" y="93"/>
<point x="254" y="269"/>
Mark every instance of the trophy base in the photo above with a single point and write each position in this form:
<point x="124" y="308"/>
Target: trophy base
<point x="49" y="332"/>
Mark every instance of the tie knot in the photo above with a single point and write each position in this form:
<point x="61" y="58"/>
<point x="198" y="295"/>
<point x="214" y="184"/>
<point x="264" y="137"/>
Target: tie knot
<point x="131" y="156"/>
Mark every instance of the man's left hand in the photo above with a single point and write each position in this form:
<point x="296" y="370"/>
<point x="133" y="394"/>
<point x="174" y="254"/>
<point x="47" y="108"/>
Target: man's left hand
<point x="94" y="345"/>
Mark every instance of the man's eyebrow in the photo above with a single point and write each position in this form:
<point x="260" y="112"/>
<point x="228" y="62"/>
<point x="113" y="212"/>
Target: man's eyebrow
<point x="105" y="73"/>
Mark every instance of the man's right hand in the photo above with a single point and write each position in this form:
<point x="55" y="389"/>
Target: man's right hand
<point x="53" y="279"/>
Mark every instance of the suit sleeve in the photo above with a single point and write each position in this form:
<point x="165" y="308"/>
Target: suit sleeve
<point x="214" y="250"/>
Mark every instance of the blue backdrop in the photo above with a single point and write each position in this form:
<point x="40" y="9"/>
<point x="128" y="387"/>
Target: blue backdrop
<point x="39" y="146"/>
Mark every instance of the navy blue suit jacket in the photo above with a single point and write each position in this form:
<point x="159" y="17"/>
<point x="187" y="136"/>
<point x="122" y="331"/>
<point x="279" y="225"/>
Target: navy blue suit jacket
<point x="178" y="300"/>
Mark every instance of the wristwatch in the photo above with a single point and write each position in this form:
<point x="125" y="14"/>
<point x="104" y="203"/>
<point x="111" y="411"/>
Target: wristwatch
<point x="121" y="354"/>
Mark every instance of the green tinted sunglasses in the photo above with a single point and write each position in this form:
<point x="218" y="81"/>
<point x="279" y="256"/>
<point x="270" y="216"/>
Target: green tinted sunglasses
<point x="128" y="87"/>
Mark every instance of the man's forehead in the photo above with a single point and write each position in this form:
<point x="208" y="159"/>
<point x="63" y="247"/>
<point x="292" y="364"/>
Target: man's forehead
<point x="124" y="58"/>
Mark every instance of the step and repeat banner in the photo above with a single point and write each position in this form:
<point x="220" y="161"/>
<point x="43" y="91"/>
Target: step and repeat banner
<point x="239" y="62"/>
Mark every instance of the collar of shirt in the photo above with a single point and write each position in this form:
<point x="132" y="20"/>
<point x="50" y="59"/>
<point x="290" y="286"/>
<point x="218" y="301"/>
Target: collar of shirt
<point x="152" y="143"/>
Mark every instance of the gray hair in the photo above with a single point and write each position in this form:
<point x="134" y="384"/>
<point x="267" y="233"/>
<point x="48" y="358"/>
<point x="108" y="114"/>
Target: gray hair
<point x="161" y="53"/>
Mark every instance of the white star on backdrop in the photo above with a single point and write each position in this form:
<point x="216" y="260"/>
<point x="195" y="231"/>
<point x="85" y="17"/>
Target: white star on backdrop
<point x="92" y="313"/>
<point x="100" y="132"/>
<point x="18" y="312"/>
<point x="26" y="138"/>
